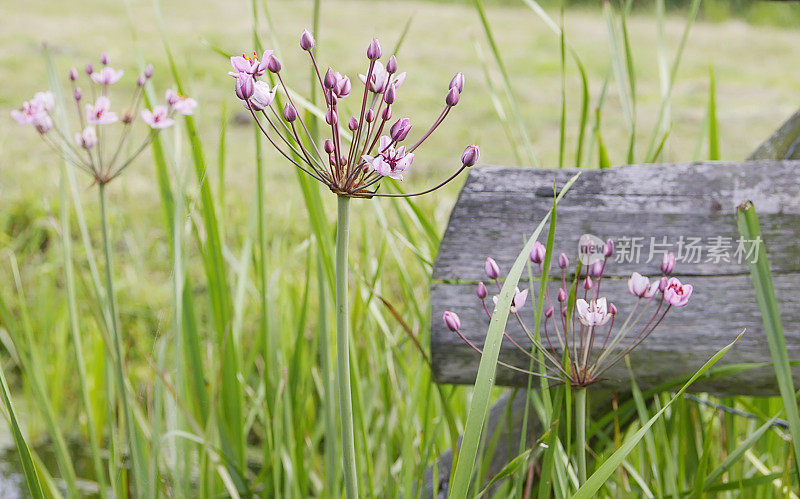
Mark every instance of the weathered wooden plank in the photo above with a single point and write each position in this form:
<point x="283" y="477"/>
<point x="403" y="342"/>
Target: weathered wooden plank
<point x="783" y="144"/>
<point x="498" y="205"/>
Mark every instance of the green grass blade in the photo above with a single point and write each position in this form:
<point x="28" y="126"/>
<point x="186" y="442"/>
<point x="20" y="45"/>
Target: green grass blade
<point x="609" y="466"/>
<point x="713" y="131"/>
<point x="750" y="230"/>
<point x="737" y="454"/>
<point x="484" y="382"/>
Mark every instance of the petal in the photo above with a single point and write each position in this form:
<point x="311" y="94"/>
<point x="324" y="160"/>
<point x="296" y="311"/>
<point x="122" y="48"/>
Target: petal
<point x="582" y="306"/>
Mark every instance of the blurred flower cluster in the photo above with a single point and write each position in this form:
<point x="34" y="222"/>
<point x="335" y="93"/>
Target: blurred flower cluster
<point x="98" y="148"/>
<point x="361" y="150"/>
<point x="579" y="326"/>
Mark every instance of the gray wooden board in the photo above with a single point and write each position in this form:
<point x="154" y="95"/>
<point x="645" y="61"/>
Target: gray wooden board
<point x="498" y="207"/>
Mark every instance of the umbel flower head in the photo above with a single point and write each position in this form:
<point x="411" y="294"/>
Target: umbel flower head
<point x="361" y="149"/>
<point x="103" y="134"/>
<point x="591" y="344"/>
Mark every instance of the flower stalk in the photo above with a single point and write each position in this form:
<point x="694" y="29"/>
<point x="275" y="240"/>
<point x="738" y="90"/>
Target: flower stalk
<point x="580" y="432"/>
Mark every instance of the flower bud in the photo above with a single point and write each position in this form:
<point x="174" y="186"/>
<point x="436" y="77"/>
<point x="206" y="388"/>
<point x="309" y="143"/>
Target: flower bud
<point x="140" y="81"/>
<point x="668" y="263"/>
<point x="387" y="113"/>
<point x="452" y="321"/>
<point x="331" y="117"/>
<point x="289" y="112"/>
<point x="148" y="71"/>
<point x="491" y="268"/>
<point x="452" y="97"/>
<point x="662" y="284"/>
<point x="563" y="261"/>
<point x="330" y="79"/>
<point x="330" y="98"/>
<point x="262" y="96"/>
<point x="562" y="295"/>
<point x="89" y="68"/>
<point x="343" y="86"/>
<point x="370" y="116"/>
<point x="597" y="268"/>
<point x="390" y="95"/>
<point x="374" y="50"/>
<point x="587" y="283"/>
<point x="328" y="146"/>
<point x="306" y="40"/>
<point x="458" y="82"/>
<point x="73" y="74"/>
<point x="482" y="292"/>
<point x="391" y="66"/>
<point x="273" y="64"/>
<point x="244" y="86"/>
<point x="400" y="129"/>
<point x="548" y="312"/>
<point x="470" y="155"/>
<point x="78" y="94"/>
<point x="127" y="117"/>
<point x="538" y="252"/>
<point x="103" y="58"/>
<point x="608" y="248"/>
<point x="87" y="138"/>
<point x="352" y="124"/>
<point x="612" y="309"/>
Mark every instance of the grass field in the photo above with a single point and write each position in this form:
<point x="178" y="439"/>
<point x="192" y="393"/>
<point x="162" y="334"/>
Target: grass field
<point x="757" y="85"/>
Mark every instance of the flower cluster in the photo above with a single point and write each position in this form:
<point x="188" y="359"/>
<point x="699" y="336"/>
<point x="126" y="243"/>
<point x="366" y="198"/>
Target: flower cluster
<point x="97" y="148"/>
<point x="350" y="162"/>
<point x="581" y="320"/>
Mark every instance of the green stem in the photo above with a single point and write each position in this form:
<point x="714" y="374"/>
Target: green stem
<point x="580" y="432"/>
<point x="343" y="349"/>
<point x="136" y="468"/>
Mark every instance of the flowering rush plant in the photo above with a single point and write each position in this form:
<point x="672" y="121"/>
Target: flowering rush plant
<point x="100" y="146"/>
<point x="579" y="326"/>
<point x="374" y="150"/>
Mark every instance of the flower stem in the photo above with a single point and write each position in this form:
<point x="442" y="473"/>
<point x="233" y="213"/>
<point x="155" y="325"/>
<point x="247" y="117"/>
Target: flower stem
<point x="580" y="431"/>
<point x="342" y="348"/>
<point x="136" y="467"/>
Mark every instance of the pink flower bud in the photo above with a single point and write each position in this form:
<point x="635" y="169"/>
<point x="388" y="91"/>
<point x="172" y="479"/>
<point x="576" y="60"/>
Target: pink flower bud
<point x="470" y="155"/>
<point x="289" y="112"/>
<point x="491" y="268"/>
<point x="244" y="86"/>
<point x="374" y="50"/>
<point x="148" y="71"/>
<point x="597" y="268"/>
<point x="103" y="58"/>
<point x="537" y="252"/>
<point x="458" y="82"/>
<point x="612" y="309"/>
<point x="400" y="129"/>
<point x="73" y="74"/>
<point x="587" y="283"/>
<point x="330" y="79"/>
<point x="78" y="94"/>
<point x="328" y="146"/>
<point x="273" y="64"/>
<point x="563" y="261"/>
<point x="352" y="124"/>
<point x="390" y="95"/>
<point x="391" y="66"/>
<point x="89" y="68"/>
<point x="608" y="248"/>
<point x="370" y="116"/>
<point x="330" y="98"/>
<point x="662" y="284"/>
<point x="452" y="97"/>
<point x="562" y="295"/>
<point x="331" y="117"/>
<point x="482" y="292"/>
<point x="306" y="40"/>
<point x="386" y="114"/>
<point x="452" y="321"/>
<point x="668" y="263"/>
<point x="548" y="312"/>
<point x="343" y="86"/>
<point x="140" y="81"/>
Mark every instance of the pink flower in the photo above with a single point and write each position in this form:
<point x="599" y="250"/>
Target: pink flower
<point x="381" y="78"/>
<point x="87" y="138"/>
<point x="390" y="162"/>
<point x="517" y="301"/>
<point x="106" y="76"/>
<point x="99" y="113"/>
<point x="640" y="286"/>
<point x="35" y="110"/>
<point x="593" y="313"/>
<point x="251" y="65"/>
<point x="676" y="293"/>
<point x="262" y="96"/>
<point x="158" y="118"/>
<point x="180" y="103"/>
